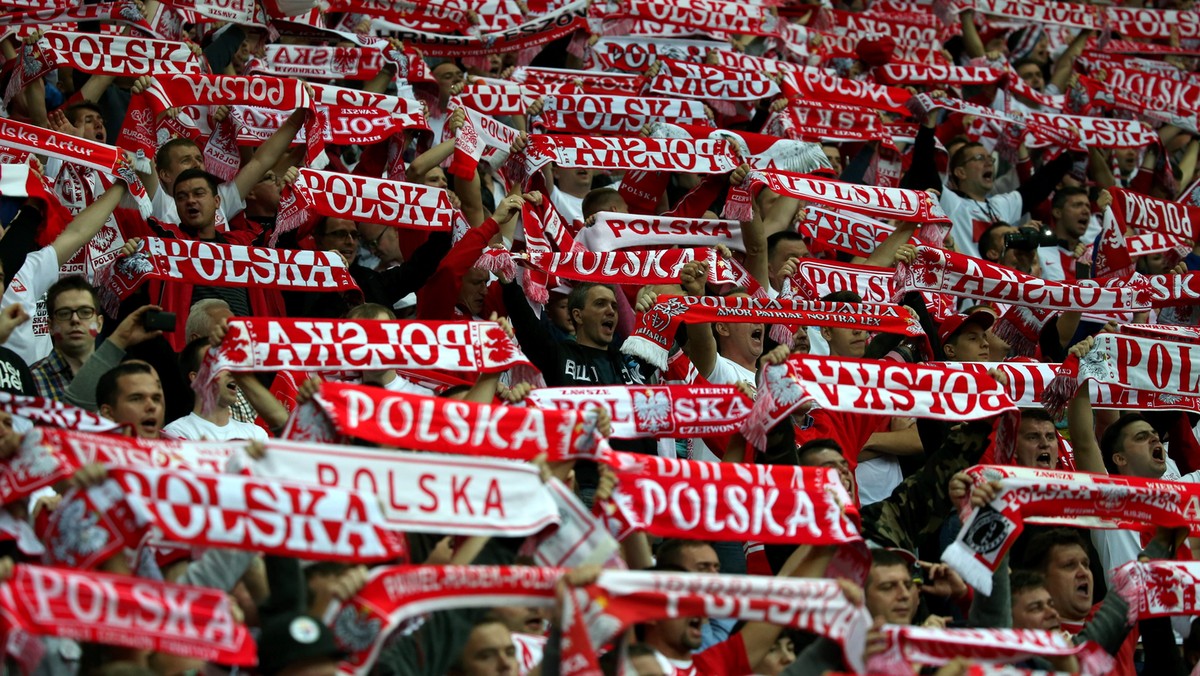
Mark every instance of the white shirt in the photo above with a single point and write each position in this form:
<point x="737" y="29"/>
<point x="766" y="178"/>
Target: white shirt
<point x="725" y="372"/>
<point x="31" y="340"/>
<point x="195" y="428"/>
<point x="402" y="384"/>
<point x="971" y="218"/>
<point x="232" y="204"/>
<point x="877" y="478"/>
<point x="569" y="207"/>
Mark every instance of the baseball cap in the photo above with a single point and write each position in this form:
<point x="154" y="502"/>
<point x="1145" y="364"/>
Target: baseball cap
<point x="955" y="323"/>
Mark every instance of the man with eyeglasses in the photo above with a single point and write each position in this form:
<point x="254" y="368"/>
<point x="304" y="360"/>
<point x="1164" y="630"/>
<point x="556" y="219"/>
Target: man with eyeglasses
<point x="75" y="321"/>
<point x="967" y="197"/>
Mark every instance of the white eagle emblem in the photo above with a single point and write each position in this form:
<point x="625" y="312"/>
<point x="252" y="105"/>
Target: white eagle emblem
<point x="79" y="534"/>
<point x="652" y="410"/>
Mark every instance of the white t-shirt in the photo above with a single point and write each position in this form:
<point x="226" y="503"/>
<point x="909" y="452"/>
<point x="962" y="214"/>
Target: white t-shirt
<point x="31" y="340"/>
<point x="402" y="384"/>
<point x="195" y="428"/>
<point x="232" y="204"/>
<point x="569" y="207"/>
<point x="971" y="218"/>
<point x="725" y="372"/>
<point x="877" y="478"/>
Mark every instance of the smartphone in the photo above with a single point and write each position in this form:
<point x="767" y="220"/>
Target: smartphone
<point x="158" y="321"/>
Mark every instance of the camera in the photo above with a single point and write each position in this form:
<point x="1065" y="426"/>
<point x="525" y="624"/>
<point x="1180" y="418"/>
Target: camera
<point x="1028" y="238"/>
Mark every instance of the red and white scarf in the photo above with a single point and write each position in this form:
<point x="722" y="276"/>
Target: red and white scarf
<point x="938" y="75"/>
<point x="168" y="91"/>
<point x="263" y="344"/>
<point x="907" y="645"/>
<point x="1174" y="219"/>
<point x="619" y="599"/>
<point x="345" y="126"/>
<point x="538" y="31"/>
<point x="1087" y="500"/>
<point x="286" y="518"/>
<point x="1154" y="91"/>
<point x="1088" y="132"/>
<point x="872" y="387"/>
<point x="854" y="234"/>
<point x="592" y="82"/>
<point x="625" y="153"/>
<point x="402" y="420"/>
<point x="711" y="501"/>
<point x="882" y="203"/>
<point x="125" y="611"/>
<point x="622" y="115"/>
<point x="956" y="274"/>
<point x="124" y="12"/>
<point x="396" y="595"/>
<point x="710" y="17"/>
<point x="54" y="413"/>
<point x="19" y="180"/>
<point x="717" y="84"/>
<point x="229" y="265"/>
<point x="635" y="54"/>
<point x="818" y="85"/>
<point x="656" y="328"/>
<point x="815" y="279"/>
<point x="364" y="199"/>
<point x="1159" y="588"/>
<point x="320" y="62"/>
<point x="613" y="231"/>
<point x="652" y="266"/>
<point x="659" y="411"/>
<point x="1146" y="364"/>
<point x="422" y="492"/>
<point x="480" y="138"/>
<point x="408" y="112"/>
<point x="73" y="149"/>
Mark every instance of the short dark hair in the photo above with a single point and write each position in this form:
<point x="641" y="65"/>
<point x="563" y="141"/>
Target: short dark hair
<point x="815" y="445"/>
<point x="1025" y="580"/>
<point x="194" y="173"/>
<point x="845" y="296"/>
<point x="885" y="558"/>
<point x="579" y="293"/>
<point x="1037" y="552"/>
<point x="1109" y="442"/>
<point x="669" y="552"/>
<point x="960" y="156"/>
<point x="189" y="357"/>
<point x="1025" y="61"/>
<point x="783" y="236"/>
<point x="109" y="383"/>
<point x="1038" y="414"/>
<point x="164" y="151"/>
<point x="70" y="283"/>
<point x="597" y="199"/>
<point x="991" y="239"/>
<point x="75" y="108"/>
<point x="1066" y="192"/>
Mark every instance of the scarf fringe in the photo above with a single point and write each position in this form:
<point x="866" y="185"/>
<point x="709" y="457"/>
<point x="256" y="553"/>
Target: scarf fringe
<point x="971" y="571"/>
<point x="1062" y="388"/>
<point x="645" y="350"/>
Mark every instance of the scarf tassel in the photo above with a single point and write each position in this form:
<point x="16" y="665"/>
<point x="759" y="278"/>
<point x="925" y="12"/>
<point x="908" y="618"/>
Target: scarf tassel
<point x="1062" y="387"/>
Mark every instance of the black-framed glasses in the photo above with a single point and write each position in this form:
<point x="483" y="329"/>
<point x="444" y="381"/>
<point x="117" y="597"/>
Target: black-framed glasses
<point x="373" y="243"/>
<point x="63" y="314"/>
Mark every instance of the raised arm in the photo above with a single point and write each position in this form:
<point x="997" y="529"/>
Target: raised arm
<point x="87" y="223"/>
<point x="269" y="153"/>
<point x="1082" y="423"/>
<point x="701" y="346"/>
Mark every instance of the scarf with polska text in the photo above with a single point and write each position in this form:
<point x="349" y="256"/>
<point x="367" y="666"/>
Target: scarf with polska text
<point x="1035" y="11"/>
<point x="124" y="12"/>
<point x="619" y="599"/>
<point x="922" y="74"/>
<point x="614" y="231"/>
<point x="228" y="265"/>
<point x="715" y="84"/>
<point x="854" y="234"/>
<point x="714" y="501"/>
<point x="956" y="274"/>
<point x="409" y="113"/>
<point x="170" y="618"/>
<point x="402" y="420"/>
<point x="882" y="203"/>
<point x="656" y="328"/>
<point x="346" y="126"/>
<point x="422" y="492"/>
<point x="396" y="595"/>
<point x="708" y="17"/>
<point x="169" y="91"/>
<point x="263" y="344"/>
<point x="651" y="266"/>
<point x="630" y="56"/>
<point x="819" y="85"/>
<point x="1154" y="91"/>
<point x="908" y="645"/>
<point x="872" y="387"/>
<point x="71" y="149"/>
<point x="658" y="411"/>
<point x="308" y="521"/>
<point x="1085" y="132"/>
<point x="1150" y="215"/>
<point x="620" y="115"/>
<point x="600" y="84"/>
<point x="319" y="62"/>
<point x="499" y="99"/>
<point x="690" y="156"/>
<point x="360" y="198"/>
<point x="1132" y="362"/>
<point x="100" y="55"/>
<point x="1128" y="502"/>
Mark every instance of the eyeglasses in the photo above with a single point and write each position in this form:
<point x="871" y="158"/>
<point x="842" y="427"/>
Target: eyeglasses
<point x="63" y="314"/>
<point x="373" y="243"/>
<point x="343" y="234"/>
<point x="980" y="158"/>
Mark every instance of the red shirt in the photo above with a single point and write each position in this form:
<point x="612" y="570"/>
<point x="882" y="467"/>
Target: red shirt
<point x="1123" y="661"/>
<point x="727" y="658"/>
